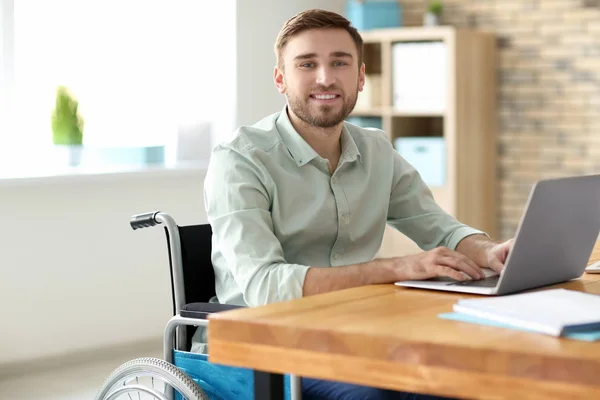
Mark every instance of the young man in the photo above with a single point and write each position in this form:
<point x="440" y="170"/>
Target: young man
<point x="298" y="202"/>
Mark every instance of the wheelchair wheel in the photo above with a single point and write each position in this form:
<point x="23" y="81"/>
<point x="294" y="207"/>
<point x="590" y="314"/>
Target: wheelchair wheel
<point x="149" y="378"/>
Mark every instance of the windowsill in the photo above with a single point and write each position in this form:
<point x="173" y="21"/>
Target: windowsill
<point x="98" y="173"/>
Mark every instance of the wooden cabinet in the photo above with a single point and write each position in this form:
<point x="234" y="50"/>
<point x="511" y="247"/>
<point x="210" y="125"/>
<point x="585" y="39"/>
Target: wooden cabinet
<point x="461" y="83"/>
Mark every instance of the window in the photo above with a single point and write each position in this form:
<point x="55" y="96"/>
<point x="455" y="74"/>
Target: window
<point x="140" y="69"/>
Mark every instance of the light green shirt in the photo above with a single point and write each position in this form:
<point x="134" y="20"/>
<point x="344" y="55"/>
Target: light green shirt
<point x="275" y="209"/>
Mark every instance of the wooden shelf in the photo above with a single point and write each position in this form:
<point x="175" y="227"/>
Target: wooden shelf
<point x="467" y="124"/>
<point x="411" y="114"/>
<point x="372" y="112"/>
<point x="409" y="34"/>
<point x="389" y="111"/>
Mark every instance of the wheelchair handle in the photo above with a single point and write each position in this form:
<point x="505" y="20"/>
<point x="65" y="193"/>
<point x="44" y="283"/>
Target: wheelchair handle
<point x="145" y="220"/>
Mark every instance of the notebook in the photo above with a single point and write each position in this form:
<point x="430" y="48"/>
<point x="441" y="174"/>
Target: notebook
<point x="589" y="336"/>
<point x="556" y="312"/>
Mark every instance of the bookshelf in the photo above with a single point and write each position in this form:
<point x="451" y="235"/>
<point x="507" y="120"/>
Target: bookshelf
<point x="463" y="120"/>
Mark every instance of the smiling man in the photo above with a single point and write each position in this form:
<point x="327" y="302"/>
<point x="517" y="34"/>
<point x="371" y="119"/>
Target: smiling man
<point x="298" y="202"/>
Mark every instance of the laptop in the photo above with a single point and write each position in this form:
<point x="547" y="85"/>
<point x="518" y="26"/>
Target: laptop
<point x="553" y="242"/>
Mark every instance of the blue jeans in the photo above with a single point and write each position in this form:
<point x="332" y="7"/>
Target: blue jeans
<point x="314" y="389"/>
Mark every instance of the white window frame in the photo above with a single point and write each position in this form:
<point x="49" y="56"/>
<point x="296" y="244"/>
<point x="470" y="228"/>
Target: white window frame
<point x="223" y="126"/>
<point x="7" y="61"/>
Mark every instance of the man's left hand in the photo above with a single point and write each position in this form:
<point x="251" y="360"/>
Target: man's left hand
<point x="497" y="255"/>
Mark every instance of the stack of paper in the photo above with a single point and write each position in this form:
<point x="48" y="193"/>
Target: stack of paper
<point x="556" y="312"/>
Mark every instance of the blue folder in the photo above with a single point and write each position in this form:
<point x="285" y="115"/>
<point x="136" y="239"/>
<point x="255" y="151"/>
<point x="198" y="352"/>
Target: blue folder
<point x="589" y="336"/>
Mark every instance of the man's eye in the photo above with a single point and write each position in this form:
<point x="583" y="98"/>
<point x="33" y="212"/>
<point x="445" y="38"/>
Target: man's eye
<point x="339" y="63"/>
<point x="307" y="65"/>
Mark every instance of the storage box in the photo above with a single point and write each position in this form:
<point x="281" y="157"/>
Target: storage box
<point x="427" y="155"/>
<point x="366" y="122"/>
<point x="373" y="14"/>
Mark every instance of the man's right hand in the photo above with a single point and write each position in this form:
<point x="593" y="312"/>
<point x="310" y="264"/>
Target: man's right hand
<point x="440" y="261"/>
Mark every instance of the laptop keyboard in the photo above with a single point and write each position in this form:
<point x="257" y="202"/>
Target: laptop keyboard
<point x="490" y="281"/>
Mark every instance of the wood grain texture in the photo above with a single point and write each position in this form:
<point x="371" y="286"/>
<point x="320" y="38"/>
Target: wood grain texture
<point x="391" y="337"/>
<point x="595" y="254"/>
<point x="474" y="146"/>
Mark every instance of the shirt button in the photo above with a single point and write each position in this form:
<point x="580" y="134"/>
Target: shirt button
<point x="336" y="256"/>
<point x="344" y="219"/>
<point x="334" y="180"/>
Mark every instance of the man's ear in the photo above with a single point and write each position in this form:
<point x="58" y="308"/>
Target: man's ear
<point x="361" y="78"/>
<point x="279" y="81"/>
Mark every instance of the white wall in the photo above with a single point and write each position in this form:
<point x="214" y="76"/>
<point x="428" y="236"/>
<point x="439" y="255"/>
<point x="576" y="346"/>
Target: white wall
<point x="258" y="24"/>
<point x="73" y="274"/>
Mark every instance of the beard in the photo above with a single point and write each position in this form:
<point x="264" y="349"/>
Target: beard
<point x="321" y="116"/>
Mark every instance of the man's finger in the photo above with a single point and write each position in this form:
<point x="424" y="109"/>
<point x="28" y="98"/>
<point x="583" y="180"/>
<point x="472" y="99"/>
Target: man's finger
<point x="472" y="264"/>
<point x="496" y="264"/>
<point x="441" y="270"/>
<point x="458" y="263"/>
<point x="468" y="261"/>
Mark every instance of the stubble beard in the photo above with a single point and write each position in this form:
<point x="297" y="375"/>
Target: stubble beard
<point x="321" y="116"/>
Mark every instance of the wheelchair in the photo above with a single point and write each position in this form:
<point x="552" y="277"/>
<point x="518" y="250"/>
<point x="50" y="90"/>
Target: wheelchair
<point x="183" y="374"/>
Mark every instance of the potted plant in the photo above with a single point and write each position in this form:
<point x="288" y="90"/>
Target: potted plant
<point x="67" y="125"/>
<point x="433" y="14"/>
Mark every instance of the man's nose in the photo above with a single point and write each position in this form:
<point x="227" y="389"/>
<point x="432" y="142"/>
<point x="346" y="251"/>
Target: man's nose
<point x="325" y="77"/>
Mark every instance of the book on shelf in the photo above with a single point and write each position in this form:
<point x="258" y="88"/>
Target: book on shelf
<point x="370" y="97"/>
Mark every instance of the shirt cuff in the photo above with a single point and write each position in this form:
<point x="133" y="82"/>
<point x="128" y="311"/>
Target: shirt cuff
<point x="292" y="286"/>
<point x="459" y="234"/>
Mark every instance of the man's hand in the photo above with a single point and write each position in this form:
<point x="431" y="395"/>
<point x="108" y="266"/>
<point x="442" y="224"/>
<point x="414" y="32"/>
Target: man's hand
<point x="497" y="255"/>
<point x="440" y="261"/>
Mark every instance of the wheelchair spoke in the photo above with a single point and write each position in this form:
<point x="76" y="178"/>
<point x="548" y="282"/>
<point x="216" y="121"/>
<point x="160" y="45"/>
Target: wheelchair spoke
<point x="128" y="394"/>
<point x="151" y="379"/>
<point x="156" y="383"/>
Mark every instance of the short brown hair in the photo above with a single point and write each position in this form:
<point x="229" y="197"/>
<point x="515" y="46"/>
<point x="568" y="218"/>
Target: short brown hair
<point x="315" y="19"/>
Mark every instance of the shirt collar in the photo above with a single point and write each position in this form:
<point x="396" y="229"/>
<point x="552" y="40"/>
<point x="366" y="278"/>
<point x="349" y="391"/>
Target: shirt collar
<point x="297" y="146"/>
<point x="349" y="148"/>
<point x="301" y="151"/>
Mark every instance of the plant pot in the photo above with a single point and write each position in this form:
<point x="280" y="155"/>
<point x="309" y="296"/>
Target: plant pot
<point x="431" y="19"/>
<point x="69" y="154"/>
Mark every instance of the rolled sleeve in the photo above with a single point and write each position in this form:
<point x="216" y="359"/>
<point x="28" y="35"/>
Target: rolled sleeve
<point x="238" y="209"/>
<point x="458" y="234"/>
<point x="414" y="212"/>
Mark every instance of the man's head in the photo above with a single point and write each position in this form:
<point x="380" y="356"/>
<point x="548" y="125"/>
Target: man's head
<point x="319" y="67"/>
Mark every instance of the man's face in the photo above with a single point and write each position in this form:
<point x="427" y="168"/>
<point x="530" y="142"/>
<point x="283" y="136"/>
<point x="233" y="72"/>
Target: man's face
<point x="321" y="77"/>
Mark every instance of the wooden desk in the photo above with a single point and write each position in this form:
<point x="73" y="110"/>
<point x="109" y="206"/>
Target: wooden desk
<point x="391" y="337"/>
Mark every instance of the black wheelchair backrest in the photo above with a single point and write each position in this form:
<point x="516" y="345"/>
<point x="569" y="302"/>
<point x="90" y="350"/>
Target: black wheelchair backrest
<point x="198" y="272"/>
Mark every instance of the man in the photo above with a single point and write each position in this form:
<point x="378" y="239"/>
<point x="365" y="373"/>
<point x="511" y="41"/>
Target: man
<point x="299" y="201"/>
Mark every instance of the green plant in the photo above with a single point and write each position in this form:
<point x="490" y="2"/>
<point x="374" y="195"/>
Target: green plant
<point x="67" y="124"/>
<point x="435" y="7"/>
